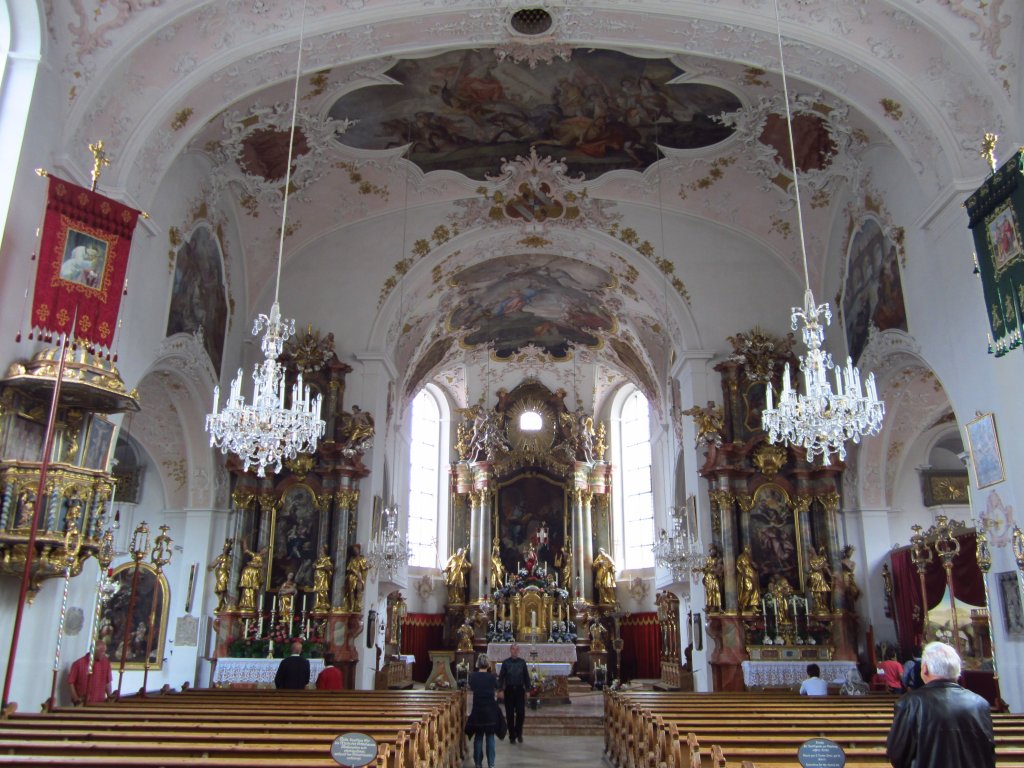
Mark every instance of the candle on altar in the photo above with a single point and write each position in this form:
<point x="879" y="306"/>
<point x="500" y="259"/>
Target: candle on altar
<point x="303" y="602"/>
<point x="245" y="630"/>
<point x="259" y="627"/>
<point x="533" y="620"/>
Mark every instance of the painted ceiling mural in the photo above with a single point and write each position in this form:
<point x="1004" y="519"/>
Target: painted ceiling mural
<point x="547" y="301"/>
<point x="602" y="110"/>
<point x="874" y="291"/>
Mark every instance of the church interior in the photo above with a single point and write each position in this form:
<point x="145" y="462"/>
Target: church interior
<point x="542" y="285"/>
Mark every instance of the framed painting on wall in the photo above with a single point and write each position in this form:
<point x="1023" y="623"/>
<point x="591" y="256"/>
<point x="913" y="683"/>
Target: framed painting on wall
<point x="1009" y="596"/>
<point x="128" y="635"/>
<point x="985" y="454"/>
<point x="98" y="444"/>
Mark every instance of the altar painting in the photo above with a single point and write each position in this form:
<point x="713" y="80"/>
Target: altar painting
<point x="466" y="111"/>
<point x="773" y="537"/>
<point x="531" y="511"/>
<point x="547" y="301"/>
<point x="296" y="531"/>
<point x="115" y="618"/>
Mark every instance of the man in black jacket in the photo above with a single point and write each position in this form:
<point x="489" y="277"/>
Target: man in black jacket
<point x="514" y="679"/>
<point x="941" y="725"/>
<point x="293" y="672"/>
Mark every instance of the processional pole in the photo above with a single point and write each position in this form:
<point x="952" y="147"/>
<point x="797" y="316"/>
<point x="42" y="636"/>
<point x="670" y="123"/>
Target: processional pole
<point x="921" y="556"/>
<point x="72" y="543"/>
<point x="984" y="557"/>
<point x="161" y="556"/>
<point x="138" y="550"/>
<point x="948" y="547"/>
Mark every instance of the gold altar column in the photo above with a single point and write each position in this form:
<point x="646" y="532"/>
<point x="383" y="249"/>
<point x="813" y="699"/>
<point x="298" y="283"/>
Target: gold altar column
<point x="479" y="540"/>
<point x="583" y="576"/>
<point x="587" y="523"/>
<point x="723" y="527"/>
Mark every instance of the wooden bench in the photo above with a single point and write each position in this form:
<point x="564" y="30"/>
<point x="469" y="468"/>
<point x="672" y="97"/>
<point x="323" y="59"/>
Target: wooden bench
<point x="227" y="727"/>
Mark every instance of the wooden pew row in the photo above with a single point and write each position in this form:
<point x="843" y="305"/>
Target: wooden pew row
<point x="645" y="729"/>
<point x="269" y="728"/>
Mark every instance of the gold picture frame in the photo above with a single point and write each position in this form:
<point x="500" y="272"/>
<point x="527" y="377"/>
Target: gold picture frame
<point x="985" y="454"/>
<point x="112" y="619"/>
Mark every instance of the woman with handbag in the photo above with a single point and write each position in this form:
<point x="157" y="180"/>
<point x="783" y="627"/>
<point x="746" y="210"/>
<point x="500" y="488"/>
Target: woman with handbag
<point x="486" y="718"/>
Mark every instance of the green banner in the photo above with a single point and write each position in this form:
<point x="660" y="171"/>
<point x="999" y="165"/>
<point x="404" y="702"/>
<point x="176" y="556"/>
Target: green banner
<point x="996" y="210"/>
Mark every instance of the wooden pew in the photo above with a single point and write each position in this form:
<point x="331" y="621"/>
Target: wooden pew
<point x="277" y="729"/>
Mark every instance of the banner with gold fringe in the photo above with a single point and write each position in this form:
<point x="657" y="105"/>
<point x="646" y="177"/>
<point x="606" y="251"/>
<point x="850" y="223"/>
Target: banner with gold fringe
<point x="995" y="211"/>
<point x="83" y="260"/>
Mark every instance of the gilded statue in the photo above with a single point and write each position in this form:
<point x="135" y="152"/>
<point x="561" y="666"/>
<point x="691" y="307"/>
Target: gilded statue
<point x="604" y="577"/>
<point x="251" y="579"/>
<point x="820" y="576"/>
<point x="355" y="579"/>
<point x="710" y="421"/>
<point x="357" y="430"/>
<point x="850" y="587"/>
<point x="600" y="446"/>
<point x="221" y="567"/>
<point x="597" y="633"/>
<point x="465" y="633"/>
<point x="563" y="561"/>
<point x="578" y="426"/>
<point x="455" y="571"/>
<point x="26" y="511"/>
<point x="323" y="569"/>
<point x="781" y="591"/>
<point x="748" y="590"/>
<point x="498" y="572"/>
<point x="286" y="598"/>
<point x="712" y="577"/>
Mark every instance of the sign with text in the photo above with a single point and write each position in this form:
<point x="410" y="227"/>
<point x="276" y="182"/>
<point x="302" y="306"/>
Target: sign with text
<point x="354" y="750"/>
<point x="821" y="753"/>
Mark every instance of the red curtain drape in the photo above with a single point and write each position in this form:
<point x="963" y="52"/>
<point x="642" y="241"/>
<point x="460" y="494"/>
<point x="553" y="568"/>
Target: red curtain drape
<point x="641" y="650"/>
<point x="421" y="634"/>
<point x="967" y="587"/>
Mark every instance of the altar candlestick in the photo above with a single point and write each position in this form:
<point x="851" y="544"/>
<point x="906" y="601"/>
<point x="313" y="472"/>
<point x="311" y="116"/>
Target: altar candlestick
<point x="533" y="620"/>
<point x="259" y="627"/>
<point x="245" y="631"/>
<point x="303" y="603"/>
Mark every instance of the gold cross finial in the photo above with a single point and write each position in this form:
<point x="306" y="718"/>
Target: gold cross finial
<point x="100" y="159"/>
<point x="988" y="150"/>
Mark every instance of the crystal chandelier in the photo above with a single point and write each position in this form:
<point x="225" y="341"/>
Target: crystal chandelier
<point x="821" y="420"/>
<point x="389" y="551"/>
<point x="679" y="551"/>
<point x="267" y="432"/>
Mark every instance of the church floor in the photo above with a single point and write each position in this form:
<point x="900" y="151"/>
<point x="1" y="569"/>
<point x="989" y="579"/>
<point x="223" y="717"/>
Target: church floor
<point x="547" y="751"/>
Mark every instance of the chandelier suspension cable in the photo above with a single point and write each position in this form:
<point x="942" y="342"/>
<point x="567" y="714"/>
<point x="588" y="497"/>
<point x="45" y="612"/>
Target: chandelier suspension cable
<point x="266" y="432"/>
<point x="822" y="419"/>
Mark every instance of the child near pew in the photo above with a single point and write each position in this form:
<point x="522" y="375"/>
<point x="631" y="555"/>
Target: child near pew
<point x="814" y="685"/>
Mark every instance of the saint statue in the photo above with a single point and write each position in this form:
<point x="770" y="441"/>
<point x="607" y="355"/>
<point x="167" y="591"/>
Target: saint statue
<point x="497" y="567"/>
<point x="465" y="633"/>
<point x="850" y="587"/>
<point x="604" y="577"/>
<point x="531" y="560"/>
<point x="251" y="579"/>
<point x="355" y="579"/>
<point x="712" y="578"/>
<point x="323" y="569"/>
<point x="710" y="423"/>
<point x="221" y="567"/>
<point x="455" y="571"/>
<point x="286" y="598"/>
<point x="563" y="561"/>
<point x="781" y="590"/>
<point x="597" y="633"/>
<point x="748" y="590"/>
<point x="820" y="575"/>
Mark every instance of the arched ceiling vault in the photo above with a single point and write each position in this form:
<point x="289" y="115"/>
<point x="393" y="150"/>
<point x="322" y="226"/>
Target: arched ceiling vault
<point x="441" y="105"/>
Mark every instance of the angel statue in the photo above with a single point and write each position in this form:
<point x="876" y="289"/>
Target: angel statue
<point x="357" y="430"/>
<point x="221" y="567"/>
<point x="710" y="421"/>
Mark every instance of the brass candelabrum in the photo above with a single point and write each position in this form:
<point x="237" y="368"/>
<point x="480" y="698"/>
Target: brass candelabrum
<point x="921" y="557"/>
<point x="138" y="549"/>
<point x="948" y="547"/>
<point x="161" y="556"/>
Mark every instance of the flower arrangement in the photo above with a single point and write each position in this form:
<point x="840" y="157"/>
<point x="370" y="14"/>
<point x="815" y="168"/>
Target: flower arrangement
<point x="439" y="684"/>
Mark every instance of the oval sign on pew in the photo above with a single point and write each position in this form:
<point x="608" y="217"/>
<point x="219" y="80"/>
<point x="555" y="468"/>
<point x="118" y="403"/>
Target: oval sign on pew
<point x="821" y="753"/>
<point x="354" y="750"/>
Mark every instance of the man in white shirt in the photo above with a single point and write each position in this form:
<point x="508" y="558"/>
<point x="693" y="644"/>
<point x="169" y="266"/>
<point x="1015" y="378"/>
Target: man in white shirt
<point x="814" y="685"/>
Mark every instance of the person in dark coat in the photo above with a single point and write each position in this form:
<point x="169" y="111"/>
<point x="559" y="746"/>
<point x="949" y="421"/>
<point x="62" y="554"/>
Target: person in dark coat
<point x="941" y="725"/>
<point x="293" y="672"/>
<point x="513" y="682"/>
<point x="485" y="719"/>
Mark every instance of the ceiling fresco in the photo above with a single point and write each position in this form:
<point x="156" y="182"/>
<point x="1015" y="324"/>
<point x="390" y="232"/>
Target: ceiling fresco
<point x="547" y="301"/>
<point x="603" y="110"/>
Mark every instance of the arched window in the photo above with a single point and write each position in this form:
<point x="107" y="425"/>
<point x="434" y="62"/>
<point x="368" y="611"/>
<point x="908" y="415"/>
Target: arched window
<point x="635" y="499"/>
<point x="425" y="479"/>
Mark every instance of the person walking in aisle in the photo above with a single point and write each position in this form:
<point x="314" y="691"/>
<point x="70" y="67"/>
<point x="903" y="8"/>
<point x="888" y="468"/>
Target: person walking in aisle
<point x="513" y="682"/>
<point x="485" y="719"/>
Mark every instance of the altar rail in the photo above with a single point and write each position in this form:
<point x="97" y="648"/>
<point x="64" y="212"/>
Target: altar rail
<point x="685" y="730"/>
<point x="224" y="727"/>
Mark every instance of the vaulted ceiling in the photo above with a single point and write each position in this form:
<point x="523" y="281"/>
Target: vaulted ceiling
<point x="657" y="108"/>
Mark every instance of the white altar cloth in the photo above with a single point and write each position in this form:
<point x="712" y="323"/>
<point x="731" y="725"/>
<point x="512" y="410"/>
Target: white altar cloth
<point x="563" y="652"/>
<point x="229" y="670"/>
<point x="779" y="673"/>
<point x="549" y="669"/>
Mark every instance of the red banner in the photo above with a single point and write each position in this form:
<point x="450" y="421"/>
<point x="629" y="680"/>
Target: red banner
<point x="83" y="258"/>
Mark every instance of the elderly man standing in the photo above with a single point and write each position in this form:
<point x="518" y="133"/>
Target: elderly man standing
<point x="941" y="725"/>
<point x="91" y="687"/>
<point x="513" y="682"/>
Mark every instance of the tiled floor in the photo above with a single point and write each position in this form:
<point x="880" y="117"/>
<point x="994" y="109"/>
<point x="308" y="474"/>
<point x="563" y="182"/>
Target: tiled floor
<point x="547" y="752"/>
